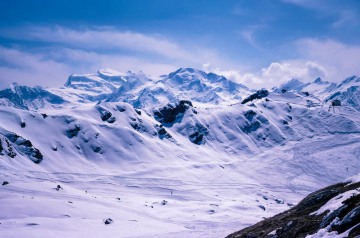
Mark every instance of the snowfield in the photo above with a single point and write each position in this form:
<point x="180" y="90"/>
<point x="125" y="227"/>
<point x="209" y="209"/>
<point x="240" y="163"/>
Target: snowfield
<point x="204" y="168"/>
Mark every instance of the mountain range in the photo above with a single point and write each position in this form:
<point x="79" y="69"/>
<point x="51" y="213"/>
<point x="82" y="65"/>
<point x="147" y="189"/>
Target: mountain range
<point x="187" y="154"/>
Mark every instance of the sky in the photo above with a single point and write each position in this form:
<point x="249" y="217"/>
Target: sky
<point x="260" y="43"/>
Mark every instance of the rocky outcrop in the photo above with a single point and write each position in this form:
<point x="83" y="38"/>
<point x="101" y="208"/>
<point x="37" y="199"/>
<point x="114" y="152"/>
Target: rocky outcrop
<point x="198" y="134"/>
<point x="258" y="95"/>
<point x="73" y="132"/>
<point x="105" y="114"/>
<point x="162" y="132"/>
<point x="23" y="146"/>
<point x="172" y="113"/>
<point x="303" y="219"/>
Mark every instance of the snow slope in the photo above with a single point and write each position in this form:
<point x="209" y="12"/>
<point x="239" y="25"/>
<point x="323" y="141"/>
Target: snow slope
<point x="200" y="169"/>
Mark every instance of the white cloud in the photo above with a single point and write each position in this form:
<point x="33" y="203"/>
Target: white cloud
<point x="30" y="69"/>
<point x="102" y="39"/>
<point x="276" y="73"/>
<point x="86" y="50"/>
<point x="340" y="60"/>
<point x="63" y="51"/>
<point x="53" y="68"/>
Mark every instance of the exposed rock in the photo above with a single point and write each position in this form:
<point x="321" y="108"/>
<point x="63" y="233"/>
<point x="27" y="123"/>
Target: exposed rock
<point x="162" y="132"/>
<point x="22" y="124"/>
<point x="10" y="150"/>
<point x="258" y="95"/>
<point x="5" y="183"/>
<point x="73" y="132"/>
<point x="108" y="221"/>
<point x="250" y="127"/>
<point x="212" y="211"/>
<point x="1" y="148"/>
<point x="351" y="219"/>
<point x="58" y="187"/>
<point x="23" y="146"/>
<point x="140" y="127"/>
<point x="137" y="111"/>
<point x="105" y="114"/>
<point x="249" y="115"/>
<point x="354" y="232"/>
<point x="121" y="108"/>
<point x="197" y="137"/>
<point x="97" y="149"/>
<point x="172" y="113"/>
<point x="299" y="222"/>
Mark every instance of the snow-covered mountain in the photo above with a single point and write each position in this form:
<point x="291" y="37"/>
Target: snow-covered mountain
<point x="189" y="154"/>
<point x="324" y="92"/>
<point x="24" y="97"/>
<point x="196" y="85"/>
<point x="143" y="91"/>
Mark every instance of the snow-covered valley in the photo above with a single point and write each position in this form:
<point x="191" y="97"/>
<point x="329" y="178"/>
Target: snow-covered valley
<point x="205" y="165"/>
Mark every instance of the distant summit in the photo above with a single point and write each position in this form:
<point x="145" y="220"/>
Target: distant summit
<point x="142" y="91"/>
<point x="24" y="97"/>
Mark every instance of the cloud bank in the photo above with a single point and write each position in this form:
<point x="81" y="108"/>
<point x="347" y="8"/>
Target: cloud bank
<point x="63" y="51"/>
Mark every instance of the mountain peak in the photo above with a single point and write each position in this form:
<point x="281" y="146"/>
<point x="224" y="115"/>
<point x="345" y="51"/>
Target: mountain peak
<point x="293" y="84"/>
<point x="318" y="80"/>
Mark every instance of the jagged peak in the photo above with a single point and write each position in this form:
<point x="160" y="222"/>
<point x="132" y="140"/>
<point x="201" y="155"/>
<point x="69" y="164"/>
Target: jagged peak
<point x="110" y="72"/>
<point x="350" y="79"/>
<point x="190" y="71"/>
<point x="318" y="80"/>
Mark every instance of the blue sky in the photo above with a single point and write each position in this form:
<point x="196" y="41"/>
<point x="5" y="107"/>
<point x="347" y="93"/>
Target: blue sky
<point x="255" y="42"/>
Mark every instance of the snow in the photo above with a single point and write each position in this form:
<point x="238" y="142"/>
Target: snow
<point x="336" y="202"/>
<point x="269" y="154"/>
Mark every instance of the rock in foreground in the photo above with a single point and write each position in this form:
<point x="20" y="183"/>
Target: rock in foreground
<point x="334" y="209"/>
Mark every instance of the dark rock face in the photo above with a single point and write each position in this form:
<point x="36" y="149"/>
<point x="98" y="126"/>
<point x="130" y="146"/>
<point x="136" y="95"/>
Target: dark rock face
<point x="139" y="126"/>
<point x="162" y="132"/>
<point x="97" y="149"/>
<point x="106" y="115"/>
<point x="355" y="231"/>
<point x="249" y="115"/>
<point x="121" y="108"/>
<point x="298" y="221"/>
<point x="73" y="132"/>
<point x="10" y="151"/>
<point x="253" y="122"/>
<point x="258" y="95"/>
<point x="137" y="111"/>
<point x="1" y="148"/>
<point x="250" y="127"/>
<point x="22" y="124"/>
<point x="108" y="221"/>
<point x="172" y="113"/>
<point x="198" y="136"/>
<point x="5" y="183"/>
<point x="23" y="146"/>
<point x="349" y="215"/>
